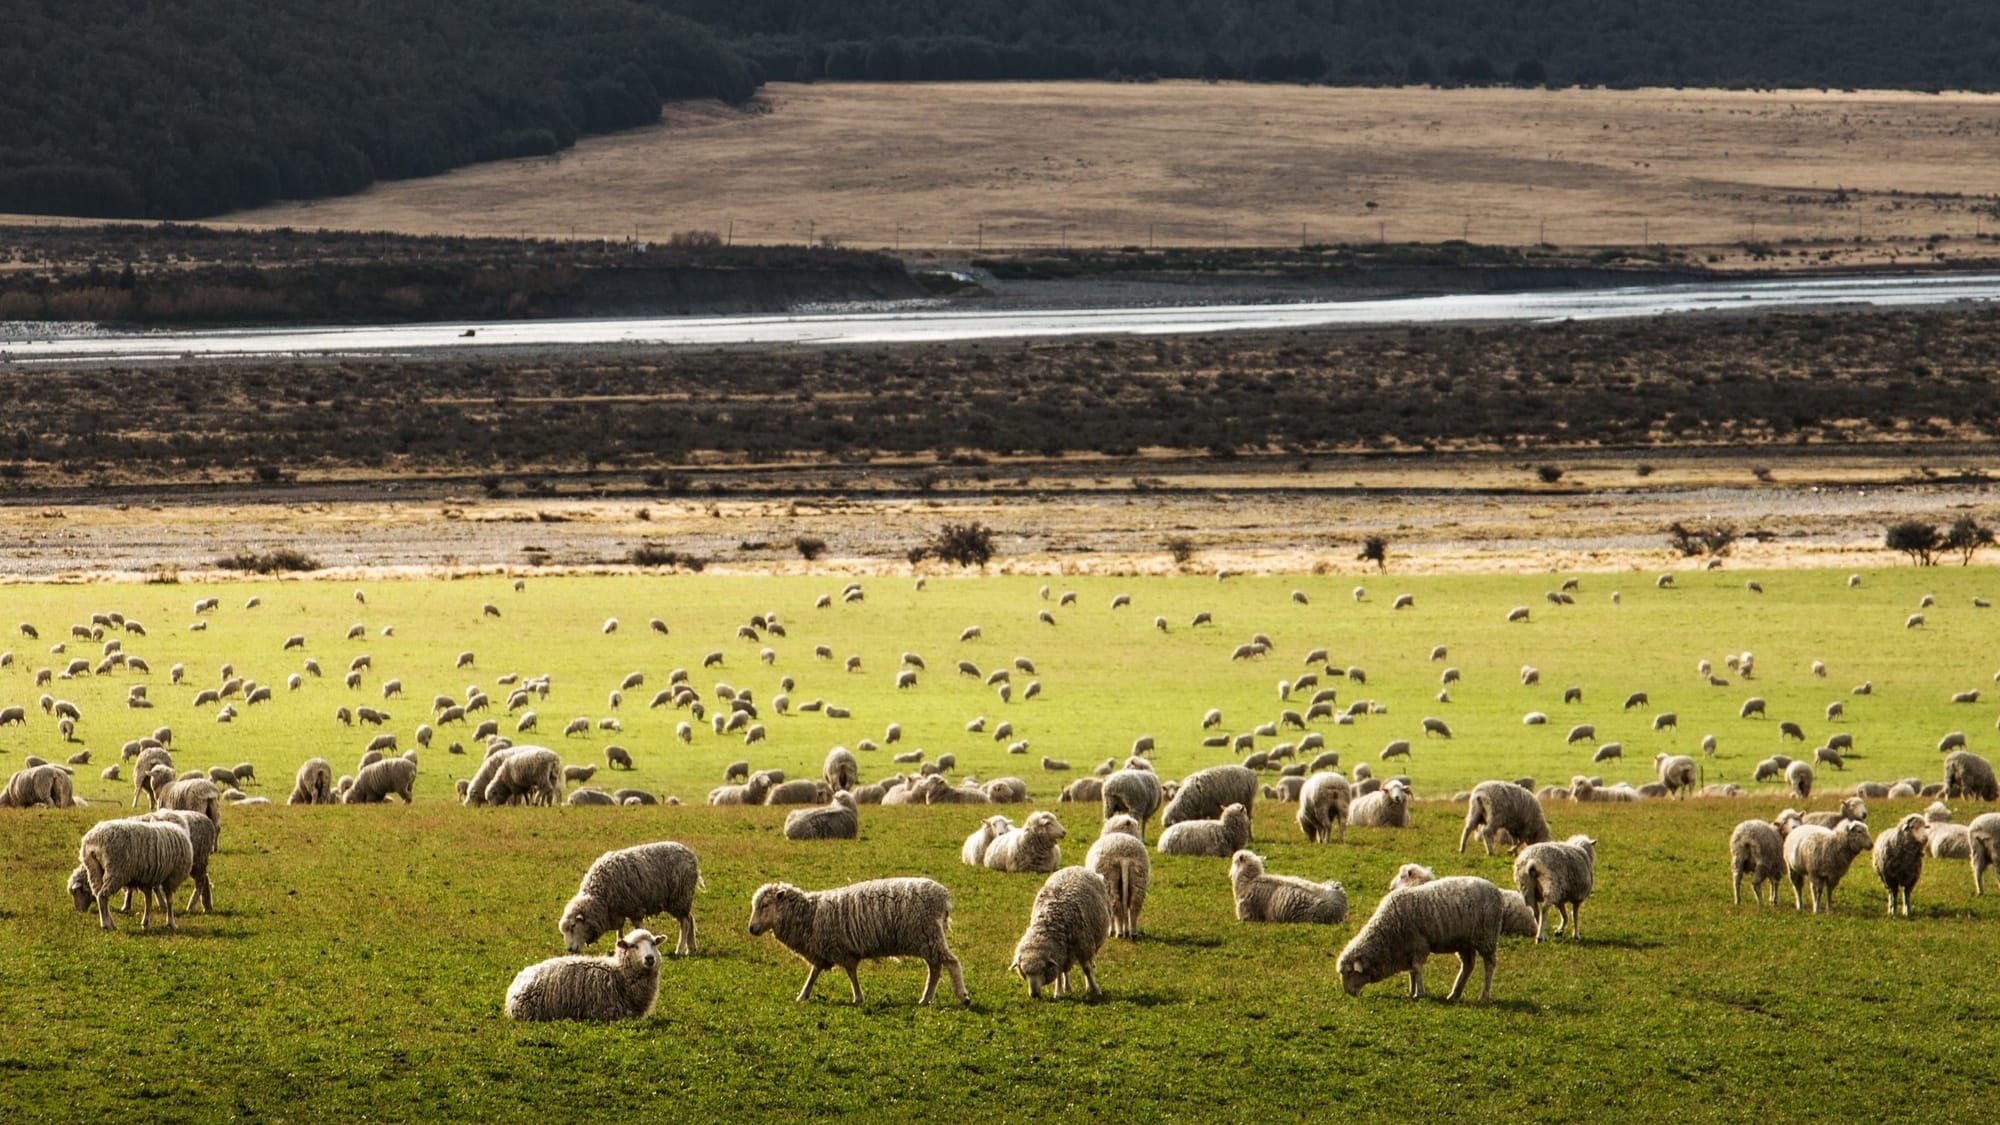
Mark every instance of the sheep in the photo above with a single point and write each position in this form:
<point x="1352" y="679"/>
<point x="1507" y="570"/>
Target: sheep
<point x="1387" y="807"/>
<point x="1582" y="732"/>
<point x="627" y="886"/>
<point x="1677" y="772"/>
<point x="1083" y="789"/>
<point x="1969" y="775"/>
<point x="1219" y="838"/>
<point x="375" y="782"/>
<point x="1770" y="769"/>
<point x="1461" y="914"/>
<point x="1006" y="790"/>
<point x="1983" y="844"/>
<point x="38" y="784"/>
<point x="1559" y="875"/>
<point x="844" y="926"/>
<point x="1791" y="730"/>
<point x="578" y="774"/>
<point x="1398" y="748"/>
<point x="203" y="833"/>
<point x="1609" y="751"/>
<point x="1502" y="806"/>
<point x="617" y="757"/>
<point x="1135" y="792"/>
<point x="803" y="791"/>
<point x="1822" y="856"/>
<point x="1120" y="857"/>
<point x="152" y="856"/>
<point x="841" y="770"/>
<point x="1261" y="897"/>
<point x="1323" y="807"/>
<point x="1055" y="764"/>
<point x="1636" y="699"/>
<point x="972" y="853"/>
<point x="1067" y="926"/>
<point x="1031" y="847"/>
<point x="1899" y="859"/>
<point x="313" y="784"/>
<point x="1756" y="849"/>
<point x="1435" y="726"/>
<point x="1799" y="776"/>
<point x="1751" y="706"/>
<point x="619" y="986"/>
<point x="1206" y="793"/>
<point x="1518" y="613"/>
<point x="837" y="820"/>
<point x="529" y="774"/>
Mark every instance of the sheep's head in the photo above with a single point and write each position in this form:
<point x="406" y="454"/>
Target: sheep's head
<point x="1357" y="971"/>
<point x="1917" y="828"/>
<point x="1854" y="808"/>
<point x="1122" y="824"/>
<point x="1046" y="824"/>
<point x="770" y="903"/>
<point x="1854" y="836"/>
<point x="79" y="889"/>
<point x="640" y="946"/>
<point x="1039" y="971"/>
<point x="1938" y="813"/>
<point x="1245" y="864"/>
<point x="582" y="921"/>
<point x="1411" y="875"/>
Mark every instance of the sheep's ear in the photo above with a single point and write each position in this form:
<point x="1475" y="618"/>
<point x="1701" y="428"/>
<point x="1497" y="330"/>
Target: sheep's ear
<point x="623" y="944"/>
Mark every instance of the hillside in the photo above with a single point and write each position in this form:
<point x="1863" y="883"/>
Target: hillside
<point x="181" y="108"/>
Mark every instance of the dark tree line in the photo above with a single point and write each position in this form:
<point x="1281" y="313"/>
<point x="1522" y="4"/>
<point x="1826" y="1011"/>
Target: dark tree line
<point x="182" y="108"/>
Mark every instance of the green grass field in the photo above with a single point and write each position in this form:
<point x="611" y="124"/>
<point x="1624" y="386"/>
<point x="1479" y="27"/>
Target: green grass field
<point x="356" y="961"/>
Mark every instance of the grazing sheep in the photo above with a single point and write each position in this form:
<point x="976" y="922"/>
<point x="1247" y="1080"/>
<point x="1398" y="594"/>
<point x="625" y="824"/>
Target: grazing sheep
<point x="1954" y="740"/>
<point x="1968" y="775"/>
<point x="1398" y="748"/>
<point x="800" y="792"/>
<point x="152" y="857"/>
<point x="1770" y="769"/>
<point x="1031" y="847"/>
<point x="1502" y="806"/>
<point x="1120" y="857"/>
<point x="1791" y="730"/>
<point x="1751" y="706"/>
<point x="1518" y="613"/>
<point x="1220" y="838"/>
<point x="1283" y="898"/>
<point x="37" y="784"/>
<point x="619" y="986"/>
<point x="578" y="774"/>
<point x="1983" y="845"/>
<point x="1082" y="790"/>
<point x="203" y="833"/>
<point x="527" y="774"/>
<point x="627" y="886"/>
<point x="1822" y="856"/>
<point x="1799" y="776"/>
<point x="375" y="782"/>
<point x="1436" y="726"/>
<point x="1899" y="859"/>
<point x="1206" y="793"/>
<point x="313" y="784"/>
<point x="1609" y="751"/>
<point x="1559" y="875"/>
<point x="847" y="925"/>
<point x="1636" y="699"/>
<point x="1677" y="772"/>
<point x="1387" y="807"/>
<point x="1582" y="732"/>
<point x="1756" y="849"/>
<point x="837" y="820"/>
<point x="1067" y="926"/>
<point x="1462" y="914"/>
<point x="1323" y="807"/>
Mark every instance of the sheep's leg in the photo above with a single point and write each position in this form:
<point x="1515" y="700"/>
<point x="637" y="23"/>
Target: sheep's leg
<point x="167" y="900"/>
<point x="1736" y="889"/>
<point x="812" y="978"/>
<point x="686" y="945"/>
<point x="1540" y="919"/>
<point x="1798" y="902"/>
<point x="930" y="983"/>
<point x="125" y="905"/>
<point x="1417" y="981"/>
<point x="104" y="909"/>
<point x="1465" y="962"/>
<point x="1090" y="979"/>
<point x="854" y="982"/>
<point x="146" y="908"/>
<point x="1466" y="834"/>
<point x="1575" y="921"/>
<point x="951" y="966"/>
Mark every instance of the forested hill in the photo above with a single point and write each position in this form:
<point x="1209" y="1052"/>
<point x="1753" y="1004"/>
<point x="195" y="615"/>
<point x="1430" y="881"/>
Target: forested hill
<point x="1906" y="44"/>
<point x="179" y="108"/>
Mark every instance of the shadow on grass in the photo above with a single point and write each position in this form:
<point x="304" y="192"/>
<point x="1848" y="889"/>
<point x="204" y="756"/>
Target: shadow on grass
<point x="1179" y="941"/>
<point x="1610" y="942"/>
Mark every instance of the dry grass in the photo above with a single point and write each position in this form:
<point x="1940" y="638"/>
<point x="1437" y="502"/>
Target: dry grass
<point x="1097" y="164"/>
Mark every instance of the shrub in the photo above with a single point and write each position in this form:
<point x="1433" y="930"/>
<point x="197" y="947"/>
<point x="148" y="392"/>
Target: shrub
<point x="653" y="555"/>
<point x="1966" y="537"/>
<point x="961" y="544"/>
<point x="1181" y="548"/>
<point x="1714" y="539"/>
<point x="1915" y="538"/>
<point x="1549" y="474"/>
<point x="809" y="547"/>
<point x="270" y="562"/>
<point x="1375" y="549"/>
<point x="164" y="574"/>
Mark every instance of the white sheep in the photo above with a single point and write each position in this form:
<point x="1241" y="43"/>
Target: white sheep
<point x="630" y="885"/>
<point x="836" y="820"/>
<point x="1132" y="792"/>
<point x="313" y="784"/>
<point x="1899" y="859"/>
<point x="1558" y="874"/>
<point x="1756" y="849"/>
<point x="1121" y="858"/>
<point x="972" y="853"/>
<point x="1822" y="856"/>
<point x="1983" y="845"/>
<point x="844" y="926"/>
<point x="1205" y="793"/>
<point x="1067" y="926"/>
<point x="1461" y="914"/>
<point x="1262" y="897"/>
<point x="1323" y="807"/>
<point x="1031" y="847"/>
<point x="377" y="781"/>
<point x="153" y="857"/>
<point x="1502" y="806"/>
<point x="1219" y="838"/>
<point x="1387" y="807"/>
<point x="620" y="986"/>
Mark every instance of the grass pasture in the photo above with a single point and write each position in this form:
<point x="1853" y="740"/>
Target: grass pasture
<point x="355" y="965"/>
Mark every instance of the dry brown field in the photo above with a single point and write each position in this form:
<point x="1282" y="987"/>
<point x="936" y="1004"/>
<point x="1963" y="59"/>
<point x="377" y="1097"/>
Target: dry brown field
<point x="1847" y="178"/>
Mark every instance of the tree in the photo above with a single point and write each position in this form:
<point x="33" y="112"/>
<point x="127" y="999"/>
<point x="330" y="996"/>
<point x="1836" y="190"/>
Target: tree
<point x="1375" y="549"/>
<point x="1715" y="539"/>
<point x="961" y="544"/>
<point x="1915" y="538"/>
<point x="1967" y="536"/>
<point x="809" y="547"/>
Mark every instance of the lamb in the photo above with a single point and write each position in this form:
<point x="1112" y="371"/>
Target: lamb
<point x="377" y="781"/>
<point x="1133" y="792"/>
<point x="1120" y="857"/>
<point x="154" y="857"/>
<point x="1983" y="844"/>
<point x="1387" y="807"/>
<point x="1822" y="856"/>
<point x="1899" y="859"/>
<point x="1502" y="806"/>
<point x="1283" y="898"/>
<point x="1757" y="849"/>
<point x="1220" y="838"/>
<point x="835" y="821"/>
<point x="846" y="925"/>
<point x="973" y="852"/>
<point x="1067" y="926"/>
<point x="1677" y="772"/>
<point x="1558" y="875"/>
<point x="590" y="795"/>
<point x="1969" y="775"/>
<point x="620" y="986"/>
<point x="630" y="885"/>
<point x="1206" y="793"/>
<point x="1031" y="847"/>
<point x="313" y="784"/>
<point x="1323" y="807"/>
<point x="1462" y="914"/>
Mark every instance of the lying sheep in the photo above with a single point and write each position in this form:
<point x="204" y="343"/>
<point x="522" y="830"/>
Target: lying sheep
<point x="1822" y="856"/>
<point x="1083" y="790"/>
<point x="1756" y="849"/>
<point x="630" y="885"/>
<point x="972" y="853"/>
<point x="1852" y="808"/>
<point x="1220" y="838"/>
<point x="1983" y="844"/>
<point x="1502" y="806"/>
<point x="1262" y="897"/>
<point x="1067" y="926"/>
<point x="378" y="780"/>
<point x="1031" y="847"/>
<point x="1206" y="793"/>
<point x="837" y="820"/>
<point x="1462" y="914"/>
<point x="799" y="792"/>
<point x="1559" y="875"/>
<point x="620" y="986"/>
<point x="1120" y="857"/>
<point x="1387" y="807"/>
<point x="154" y="858"/>
<point x="1323" y="807"/>
<point x="847" y="925"/>
<point x="1899" y="859"/>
